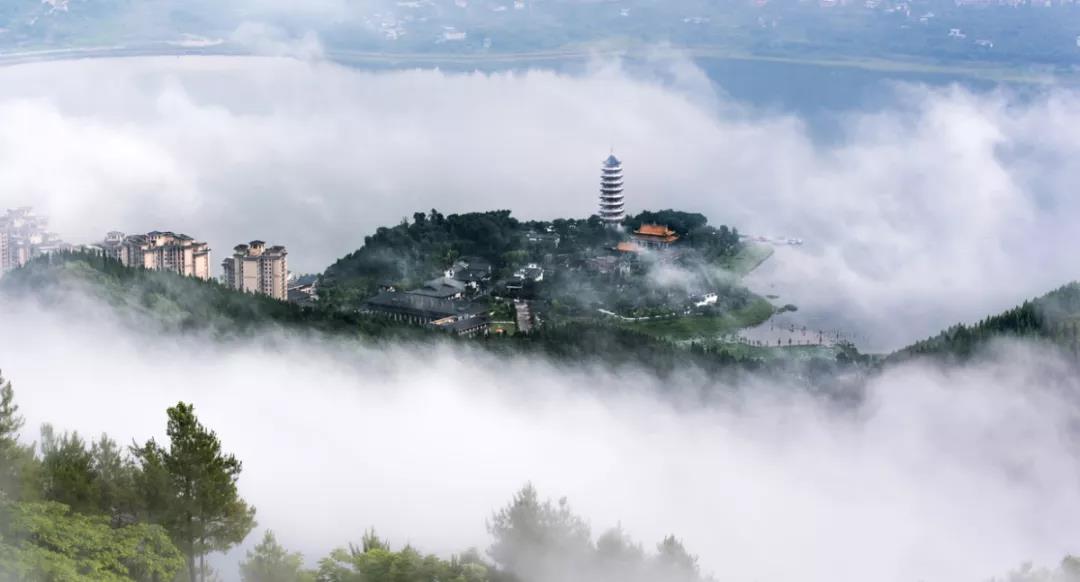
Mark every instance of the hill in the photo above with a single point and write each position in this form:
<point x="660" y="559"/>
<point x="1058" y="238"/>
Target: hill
<point x="1053" y="318"/>
<point x="682" y="286"/>
<point x="168" y="303"/>
<point x="175" y="303"/>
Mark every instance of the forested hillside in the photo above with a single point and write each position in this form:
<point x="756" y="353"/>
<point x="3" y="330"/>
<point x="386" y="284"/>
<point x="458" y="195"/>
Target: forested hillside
<point x="149" y="300"/>
<point x="1053" y="318"/>
<point x="73" y="510"/>
<point x="178" y="303"/>
<point x="409" y="253"/>
<point x="406" y="255"/>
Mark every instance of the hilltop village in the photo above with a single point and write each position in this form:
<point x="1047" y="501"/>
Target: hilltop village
<point x="666" y="273"/>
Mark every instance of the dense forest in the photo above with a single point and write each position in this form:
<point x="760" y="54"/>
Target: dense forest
<point x="79" y="511"/>
<point x="410" y="253"/>
<point x="1052" y="318"/>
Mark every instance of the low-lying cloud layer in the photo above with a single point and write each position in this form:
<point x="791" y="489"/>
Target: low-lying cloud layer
<point x="941" y="475"/>
<point x="942" y="206"/>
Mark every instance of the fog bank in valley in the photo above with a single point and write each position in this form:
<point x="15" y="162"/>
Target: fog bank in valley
<point x="942" y="205"/>
<point x="942" y="474"/>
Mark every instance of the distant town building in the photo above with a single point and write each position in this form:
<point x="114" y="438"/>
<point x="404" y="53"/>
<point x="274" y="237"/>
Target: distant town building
<point x="159" y="251"/>
<point x="450" y="315"/>
<point x="611" y="192"/>
<point x="254" y="268"/>
<point x="530" y="272"/>
<point x="655" y="236"/>
<point x="543" y="238"/>
<point x="473" y="271"/>
<point x="23" y="236"/>
<point x="303" y="293"/>
<point x="463" y="325"/>
<point x="441" y="288"/>
<point x="705" y="300"/>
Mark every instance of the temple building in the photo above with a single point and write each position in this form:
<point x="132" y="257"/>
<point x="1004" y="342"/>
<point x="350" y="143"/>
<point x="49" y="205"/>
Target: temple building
<point x="254" y="268"/>
<point x="611" y="192"/>
<point x="655" y="236"/>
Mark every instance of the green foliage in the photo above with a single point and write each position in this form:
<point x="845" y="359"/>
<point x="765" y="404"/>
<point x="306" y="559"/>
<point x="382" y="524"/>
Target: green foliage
<point x="97" y="479"/>
<point x="411" y="253"/>
<point x="683" y="223"/>
<point x="178" y="303"/>
<point x="270" y="562"/>
<point x="536" y="536"/>
<point x="694" y="230"/>
<point x="192" y="485"/>
<point x="68" y="473"/>
<point x="376" y="562"/>
<point x="17" y="467"/>
<point x="47" y="542"/>
<point x="616" y="346"/>
<point x="545" y="540"/>
<point x="1054" y="318"/>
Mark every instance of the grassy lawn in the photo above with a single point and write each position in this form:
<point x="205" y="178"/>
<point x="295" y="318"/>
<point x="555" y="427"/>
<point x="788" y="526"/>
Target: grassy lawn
<point x="704" y="327"/>
<point x="749" y="257"/>
<point x="506" y="327"/>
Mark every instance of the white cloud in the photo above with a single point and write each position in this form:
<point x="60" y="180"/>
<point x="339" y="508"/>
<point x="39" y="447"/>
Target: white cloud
<point x="944" y="206"/>
<point x="267" y="40"/>
<point x="941" y="475"/>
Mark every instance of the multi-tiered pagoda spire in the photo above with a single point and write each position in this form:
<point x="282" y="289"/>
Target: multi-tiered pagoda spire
<point x="611" y="192"/>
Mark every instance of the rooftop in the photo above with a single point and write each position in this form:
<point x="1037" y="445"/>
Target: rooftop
<point x="654" y="230"/>
<point x="396" y="301"/>
<point x="441" y="288"/>
<point x="612" y="161"/>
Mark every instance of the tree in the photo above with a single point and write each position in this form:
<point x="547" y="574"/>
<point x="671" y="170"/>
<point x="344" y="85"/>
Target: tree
<point x="46" y="541"/>
<point x="617" y="556"/>
<point x="191" y="489"/>
<point x="115" y="488"/>
<point x="269" y="562"/>
<point x="539" y="539"/>
<point x="17" y="461"/>
<point x="67" y="471"/>
<point x="674" y="562"/>
<point x="376" y="562"/>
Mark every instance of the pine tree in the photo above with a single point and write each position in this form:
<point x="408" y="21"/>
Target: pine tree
<point x="191" y="487"/>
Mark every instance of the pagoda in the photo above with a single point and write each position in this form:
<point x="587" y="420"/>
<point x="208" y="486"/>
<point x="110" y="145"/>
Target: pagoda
<point x="611" y="192"/>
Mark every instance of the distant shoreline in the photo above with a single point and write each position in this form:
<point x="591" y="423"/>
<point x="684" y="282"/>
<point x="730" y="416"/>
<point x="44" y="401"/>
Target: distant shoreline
<point x="989" y="72"/>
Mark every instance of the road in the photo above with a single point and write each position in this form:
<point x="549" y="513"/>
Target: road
<point x="524" y="316"/>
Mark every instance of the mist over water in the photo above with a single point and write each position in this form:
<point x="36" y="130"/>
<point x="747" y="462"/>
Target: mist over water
<point x="940" y="474"/>
<point x="907" y="212"/>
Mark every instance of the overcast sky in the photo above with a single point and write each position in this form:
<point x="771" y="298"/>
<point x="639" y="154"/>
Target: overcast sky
<point x="940" y="206"/>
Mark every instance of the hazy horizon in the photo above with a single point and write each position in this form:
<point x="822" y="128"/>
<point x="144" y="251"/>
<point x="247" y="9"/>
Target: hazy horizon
<point x="922" y="153"/>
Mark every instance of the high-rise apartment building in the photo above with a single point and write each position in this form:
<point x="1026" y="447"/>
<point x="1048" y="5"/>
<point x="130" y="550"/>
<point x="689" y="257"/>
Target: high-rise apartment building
<point x="254" y="268"/>
<point x="23" y="236"/>
<point x="160" y="251"/>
